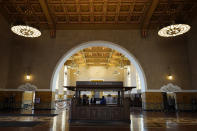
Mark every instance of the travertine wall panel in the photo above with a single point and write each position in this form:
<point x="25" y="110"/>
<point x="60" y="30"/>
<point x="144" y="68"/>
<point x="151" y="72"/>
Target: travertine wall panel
<point x="155" y="54"/>
<point x="192" y="52"/>
<point x="28" y="97"/>
<point x="186" y="100"/>
<point x="5" y="37"/>
<point x="46" y="99"/>
<point x="152" y="101"/>
<point x="10" y="99"/>
<point x="40" y="55"/>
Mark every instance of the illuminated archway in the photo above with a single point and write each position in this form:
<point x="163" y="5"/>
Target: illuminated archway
<point x="111" y="45"/>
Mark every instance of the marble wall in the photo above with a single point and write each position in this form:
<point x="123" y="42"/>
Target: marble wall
<point x="46" y="100"/>
<point x="28" y="97"/>
<point x="11" y="99"/>
<point x="186" y="101"/>
<point x="152" y="101"/>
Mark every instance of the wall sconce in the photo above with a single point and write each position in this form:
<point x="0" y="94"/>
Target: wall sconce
<point x="28" y="77"/>
<point x="170" y="77"/>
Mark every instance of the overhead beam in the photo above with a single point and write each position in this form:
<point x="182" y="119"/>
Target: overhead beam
<point x="93" y="51"/>
<point x="148" y="16"/>
<point x="84" y="57"/>
<point x="110" y="56"/>
<point x="51" y="23"/>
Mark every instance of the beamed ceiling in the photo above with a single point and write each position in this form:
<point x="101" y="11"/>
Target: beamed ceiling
<point x="98" y="56"/>
<point x="99" y="14"/>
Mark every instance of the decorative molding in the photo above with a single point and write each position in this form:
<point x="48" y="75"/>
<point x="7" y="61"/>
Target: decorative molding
<point x="188" y="91"/>
<point x="157" y="90"/>
<point x="27" y="87"/>
<point x="170" y="88"/>
<point x="3" y="89"/>
<point x="44" y="90"/>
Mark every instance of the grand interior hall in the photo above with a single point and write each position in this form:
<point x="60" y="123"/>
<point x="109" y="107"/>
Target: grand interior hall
<point x="103" y="65"/>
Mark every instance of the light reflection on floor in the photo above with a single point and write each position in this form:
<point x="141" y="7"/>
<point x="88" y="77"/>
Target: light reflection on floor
<point x="140" y="121"/>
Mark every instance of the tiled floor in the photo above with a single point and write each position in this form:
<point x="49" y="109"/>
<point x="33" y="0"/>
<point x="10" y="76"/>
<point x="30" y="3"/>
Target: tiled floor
<point x="140" y="121"/>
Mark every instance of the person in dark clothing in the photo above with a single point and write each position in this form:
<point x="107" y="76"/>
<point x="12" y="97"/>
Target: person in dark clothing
<point x="85" y="100"/>
<point x="103" y="100"/>
<point x="171" y="102"/>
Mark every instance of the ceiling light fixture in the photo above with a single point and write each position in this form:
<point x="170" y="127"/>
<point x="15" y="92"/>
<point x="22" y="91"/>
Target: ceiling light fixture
<point x="174" y="30"/>
<point x="23" y="28"/>
<point x="26" y="31"/>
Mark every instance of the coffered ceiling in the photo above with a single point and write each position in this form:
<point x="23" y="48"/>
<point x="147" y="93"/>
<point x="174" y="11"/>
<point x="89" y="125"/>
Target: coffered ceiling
<point x="98" y="56"/>
<point x="99" y="14"/>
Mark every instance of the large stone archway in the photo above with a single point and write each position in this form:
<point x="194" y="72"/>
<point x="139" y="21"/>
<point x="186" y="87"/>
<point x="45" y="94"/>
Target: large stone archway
<point x="111" y="45"/>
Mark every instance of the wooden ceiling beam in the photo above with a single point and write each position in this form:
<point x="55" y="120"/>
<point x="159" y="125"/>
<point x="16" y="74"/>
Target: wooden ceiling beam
<point x="93" y="51"/>
<point x="131" y="11"/>
<point x="110" y="56"/>
<point x="148" y="16"/>
<point x="96" y="57"/>
<point x="84" y="57"/>
<point x="51" y="23"/>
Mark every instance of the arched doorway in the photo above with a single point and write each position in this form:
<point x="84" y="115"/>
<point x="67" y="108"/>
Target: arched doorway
<point x="111" y="45"/>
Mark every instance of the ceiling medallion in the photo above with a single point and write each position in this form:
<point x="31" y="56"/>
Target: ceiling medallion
<point x="26" y="31"/>
<point x="174" y="30"/>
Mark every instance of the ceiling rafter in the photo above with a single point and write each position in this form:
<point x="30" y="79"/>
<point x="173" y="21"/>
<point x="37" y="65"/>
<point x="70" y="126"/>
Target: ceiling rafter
<point x="51" y="23"/>
<point x="91" y="11"/>
<point x="117" y="11"/>
<point x="84" y="57"/>
<point x="105" y="10"/>
<point x="131" y="11"/>
<point x="148" y="16"/>
<point x="65" y="11"/>
<point x="78" y="10"/>
<point x="110" y="56"/>
<point x="98" y="56"/>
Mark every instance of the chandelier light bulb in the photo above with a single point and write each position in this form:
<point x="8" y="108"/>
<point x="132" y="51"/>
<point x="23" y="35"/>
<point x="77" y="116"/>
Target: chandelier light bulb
<point x="174" y="30"/>
<point x="26" y="31"/>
